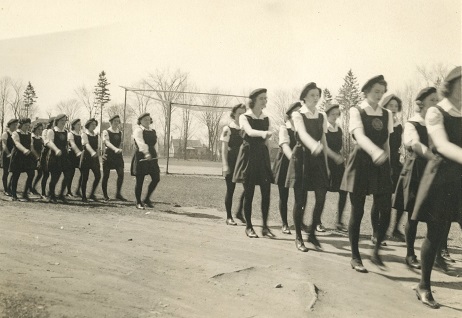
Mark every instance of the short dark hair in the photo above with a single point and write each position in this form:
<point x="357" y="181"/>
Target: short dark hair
<point x="234" y="110"/>
<point x="447" y="88"/>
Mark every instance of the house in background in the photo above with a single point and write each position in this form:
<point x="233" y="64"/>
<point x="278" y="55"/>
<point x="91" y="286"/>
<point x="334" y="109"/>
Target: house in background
<point x="194" y="149"/>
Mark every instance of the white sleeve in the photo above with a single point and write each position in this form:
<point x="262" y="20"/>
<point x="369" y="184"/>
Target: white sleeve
<point x="410" y="135"/>
<point x="391" y="123"/>
<point x="45" y="136"/>
<point x="299" y="126"/>
<point x="50" y="140"/>
<point x="70" y="136"/>
<point x="138" y="136"/>
<point x="84" y="139"/>
<point x="87" y="145"/>
<point x="324" y="123"/>
<point x="355" y="120"/>
<point x="225" y="134"/>
<point x="244" y="123"/>
<point x="283" y="135"/>
<point x="107" y="142"/>
<point x="17" y="143"/>
<point x="434" y="120"/>
<point x="5" y="136"/>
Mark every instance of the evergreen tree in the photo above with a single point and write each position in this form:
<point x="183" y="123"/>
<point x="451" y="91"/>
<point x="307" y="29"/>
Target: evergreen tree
<point x="29" y="98"/>
<point x="327" y="99"/>
<point x="348" y="96"/>
<point x="102" y="97"/>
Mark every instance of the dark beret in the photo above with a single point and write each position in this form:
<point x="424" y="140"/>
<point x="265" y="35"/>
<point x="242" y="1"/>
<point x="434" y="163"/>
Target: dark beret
<point x="454" y="74"/>
<point x="329" y="107"/>
<point x="36" y="126"/>
<point x="23" y="121"/>
<point x="113" y="117"/>
<point x="142" y="116"/>
<point x="257" y="92"/>
<point x="11" y="122"/>
<point x="391" y="97"/>
<point x="425" y="92"/>
<point x="59" y="117"/>
<point x="292" y="107"/>
<point x="75" y="121"/>
<point x="91" y="120"/>
<point x="307" y="88"/>
<point x="371" y="82"/>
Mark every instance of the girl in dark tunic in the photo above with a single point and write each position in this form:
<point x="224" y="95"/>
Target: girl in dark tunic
<point x="7" y="148"/>
<point x="37" y="148"/>
<point x="22" y="159"/>
<point x="44" y="156"/>
<point x="145" y="160"/>
<point x="58" y="159"/>
<point x="335" y="161"/>
<point x="287" y="142"/>
<point x="439" y="197"/>
<point x="394" y="104"/>
<point x="308" y="170"/>
<point x="253" y="166"/>
<point x="90" y="159"/>
<point x="75" y="155"/>
<point x="368" y="168"/>
<point x="231" y="142"/>
<point x="415" y="139"/>
<point x="113" y="158"/>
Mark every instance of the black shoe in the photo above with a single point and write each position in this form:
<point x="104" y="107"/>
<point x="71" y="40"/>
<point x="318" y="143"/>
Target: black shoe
<point x="358" y="266"/>
<point x="267" y="232"/>
<point x="106" y="199"/>
<point x="78" y="194"/>
<point x="341" y="227"/>
<point x="140" y="206"/>
<point x="25" y="198"/>
<point x="230" y="221"/>
<point x="148" y="204"/>
<point x="70" y="195"/>
<point x="34" y="192"/>
<point x="398" y="236"/>
<point x="426" y="297"/>
<point x="374" y="241"/>
<point x="320" y="228"/>
<point x="52" y="199"/>
<point x="120" y="198"/>
<point x="63" y="199"/>
<point x="377" y="261"/>
<point x="300" y="245"/>
<point x="14" y="198"/>
<point x="412" y="262"/>
<point x="314" y="240"/>
<point x="445" y="254"/>
<point x="241" y="218"/>
<point x="251" y="233"/>
<point x="286" y="229"/>
<point x="441" y="264"/>
<point x="94" y="198"/>
<point x="84" y="199"/>
<point x="7" y="193"/>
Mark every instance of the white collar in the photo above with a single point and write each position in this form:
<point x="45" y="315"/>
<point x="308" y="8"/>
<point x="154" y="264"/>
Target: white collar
<point x="417" y="118"/>
<point x="250" y="113"/>
<point x="112" y="130"/>
<point x="143" y="128"/>
<point x="36" y="136"/>
<point x="304" y="110"/>
<point x="450" y="108"/>
<point x="331" y="127"/>
<point x="76" y="133"/>
<point x="233" y="125"/>
<point x="365" y="105"/>
<point x="55" y="128"/>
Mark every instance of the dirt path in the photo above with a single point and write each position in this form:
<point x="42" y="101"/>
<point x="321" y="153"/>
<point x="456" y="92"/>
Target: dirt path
<point x="184" y="262"/>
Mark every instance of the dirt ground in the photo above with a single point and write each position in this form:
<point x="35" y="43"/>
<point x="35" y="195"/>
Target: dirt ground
<point x="112" y="260"/>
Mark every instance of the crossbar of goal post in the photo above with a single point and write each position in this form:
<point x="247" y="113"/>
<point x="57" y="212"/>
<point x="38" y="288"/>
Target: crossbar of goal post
<point x="170" y="103"/>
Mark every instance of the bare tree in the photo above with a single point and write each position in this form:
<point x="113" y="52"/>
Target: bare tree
<point x="16" y="102"/>
<point x="277" y="107"/>
<point x="172" y="84"/>
<point x="212" y="118"/>
<point x="86" y="97"/>
<point x="69" y="107"/>
<point x="5" y="91"/>
<point x="433" y="75"/>
<point x="143" y="99"/>
<point x="49" y="112"/>
<point x="186" y="121"/>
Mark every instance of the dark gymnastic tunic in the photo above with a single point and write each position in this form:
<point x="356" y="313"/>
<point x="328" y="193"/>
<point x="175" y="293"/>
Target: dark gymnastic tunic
<point x="44" y="157"/>
<point x="253" y="164"/>
<point x="89" y="162"/>
<point x="140" y="166"/>
<point x="19" y="161"/>
<point x="281" y="164"/>
<point x="411" y="174"/>
<point x="234" y="144"/>
<point x="9" y="145"/>
<point x="113" y="160"/>
<point x="59" y="164"/>
<point x="305" y="170"/>
<point x="37" y="144"/>
<point x="439" y="197"/>
<point x="334" y="142"/>
<point x="395" y="143"/>
<point x="361" y="176"/>
<point x="75" y="161"/>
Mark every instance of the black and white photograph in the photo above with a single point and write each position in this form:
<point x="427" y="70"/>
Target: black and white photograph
<point x="241" y="159"/>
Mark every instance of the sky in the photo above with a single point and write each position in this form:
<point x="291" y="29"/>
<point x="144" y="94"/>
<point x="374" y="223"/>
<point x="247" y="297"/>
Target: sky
<point x="232" y="46"/>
